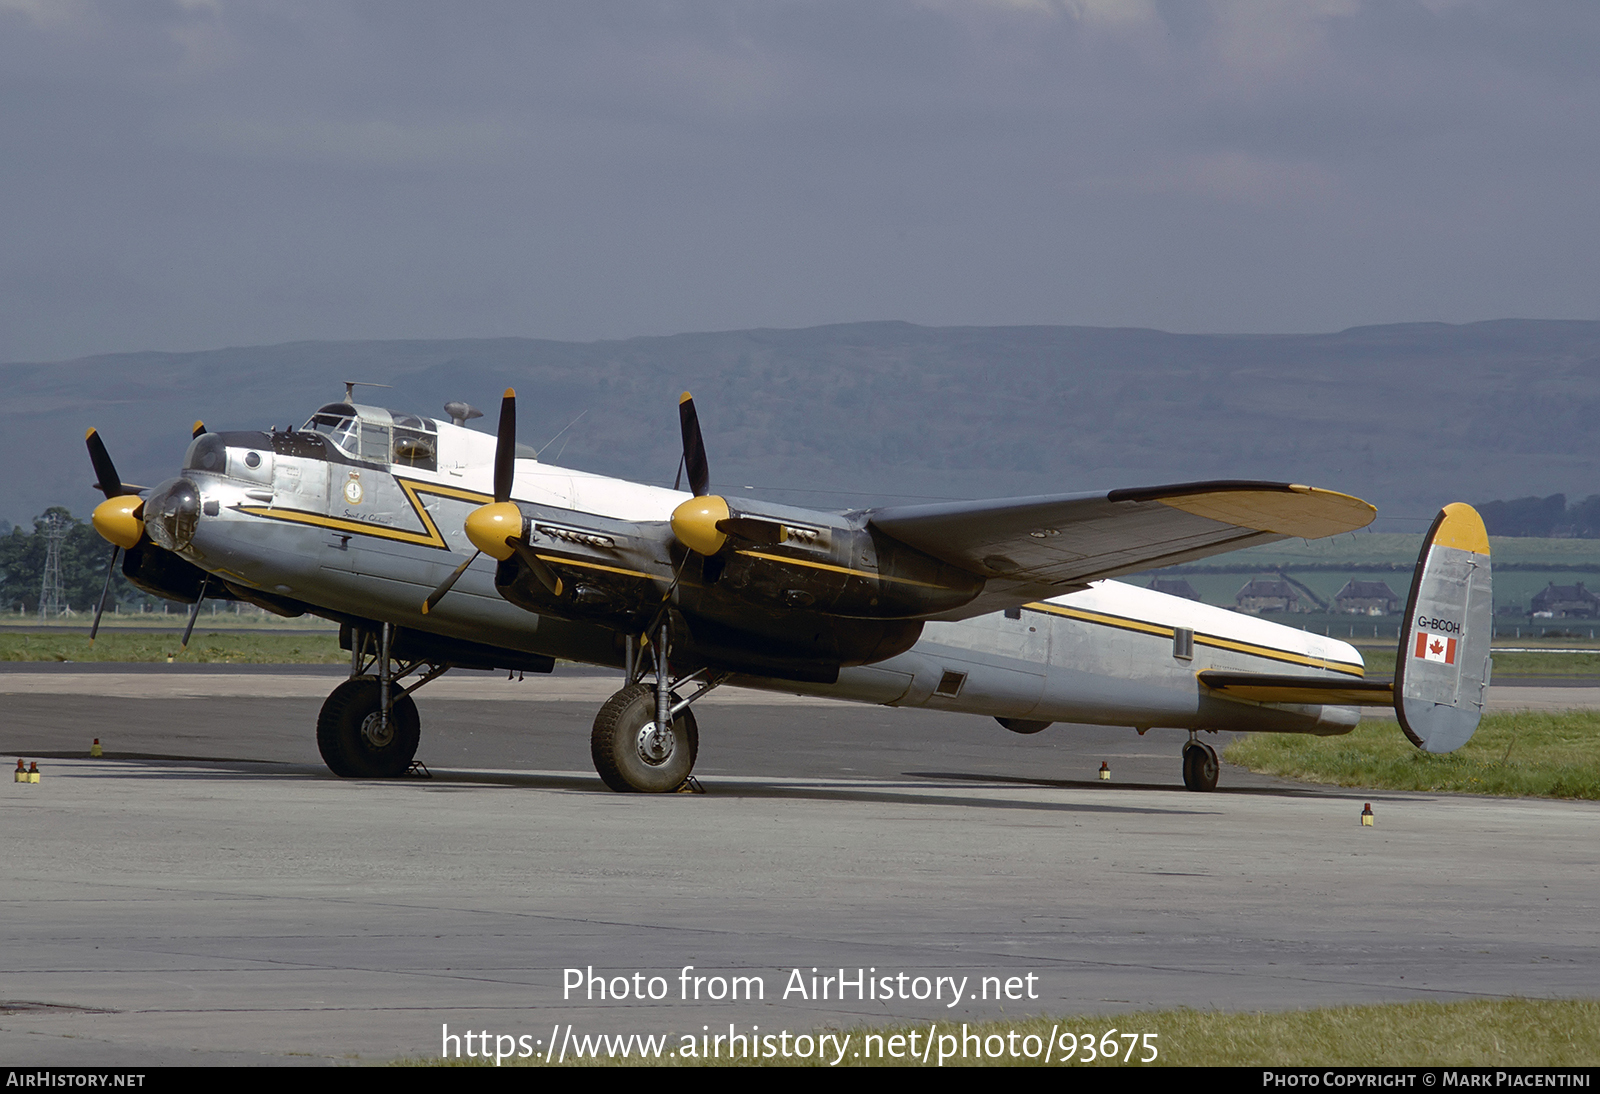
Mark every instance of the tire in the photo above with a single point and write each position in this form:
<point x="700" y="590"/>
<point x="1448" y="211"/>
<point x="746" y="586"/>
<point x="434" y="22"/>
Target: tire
<point x="1200" y="767"/>
<point x="346" y="730"/>
<point x="615" y="744"/>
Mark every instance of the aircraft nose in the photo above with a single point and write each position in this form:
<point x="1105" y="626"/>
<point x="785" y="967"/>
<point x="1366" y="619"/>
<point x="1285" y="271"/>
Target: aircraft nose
<point x="171" y="513"/>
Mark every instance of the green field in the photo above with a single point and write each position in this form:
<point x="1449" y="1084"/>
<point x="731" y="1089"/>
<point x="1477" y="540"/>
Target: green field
<point x="215" y="614"/>
<point x="1522" y="754"/>
<point x="1380" y="658"/>
<point x="1479" y="1033"/>
<point x="235" y="647"/>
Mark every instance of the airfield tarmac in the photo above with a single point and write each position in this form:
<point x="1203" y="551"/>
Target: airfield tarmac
<point x="209" y="893"/>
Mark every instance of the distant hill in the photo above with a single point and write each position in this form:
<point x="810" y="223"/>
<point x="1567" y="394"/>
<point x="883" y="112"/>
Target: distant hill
<point x="1408" y="416"/>
<point x="1545" y="517"/>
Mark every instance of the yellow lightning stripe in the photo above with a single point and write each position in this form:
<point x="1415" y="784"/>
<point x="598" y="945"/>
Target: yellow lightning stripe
<point x="1140" y="626"/>
<point x="430" y="536"/>
<point x="840" y="569"/>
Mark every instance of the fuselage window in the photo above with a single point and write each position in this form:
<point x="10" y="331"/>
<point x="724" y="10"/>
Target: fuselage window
<point x="340" y="430"/>
<point x="374" y="443"/>
<point x="207" y="452"/>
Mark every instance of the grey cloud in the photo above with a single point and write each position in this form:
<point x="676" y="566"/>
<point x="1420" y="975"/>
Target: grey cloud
<point x="240" y="172"/>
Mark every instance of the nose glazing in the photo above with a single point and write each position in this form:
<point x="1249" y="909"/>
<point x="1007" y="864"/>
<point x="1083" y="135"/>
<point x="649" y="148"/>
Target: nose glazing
<point x="171" y="513"/>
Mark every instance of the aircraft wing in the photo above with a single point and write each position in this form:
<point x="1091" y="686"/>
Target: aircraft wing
<point x="1064" y="541"/>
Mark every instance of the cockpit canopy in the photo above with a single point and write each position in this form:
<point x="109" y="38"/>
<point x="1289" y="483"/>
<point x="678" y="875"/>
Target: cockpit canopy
<point x="373" y="435"/>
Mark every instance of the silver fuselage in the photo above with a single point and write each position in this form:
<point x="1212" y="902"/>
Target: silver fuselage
<point x="369" y="539"/>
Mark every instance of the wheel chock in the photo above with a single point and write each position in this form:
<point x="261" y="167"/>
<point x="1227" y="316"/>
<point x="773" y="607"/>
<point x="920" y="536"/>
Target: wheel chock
<point x="22" y="772"/>
<point x="691" y="785"/>
<point x="95" y="751"/>
<point x="419" y="770"/>
<point x="1366" y="816"/>
<point x="1105" y="770"/>
<point x="33" y="771"/>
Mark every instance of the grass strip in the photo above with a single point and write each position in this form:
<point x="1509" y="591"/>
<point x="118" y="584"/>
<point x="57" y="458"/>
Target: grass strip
<point x="1475" y="1033"/>
<point x="204" y="648"/>
<point x="1516" y="754"/>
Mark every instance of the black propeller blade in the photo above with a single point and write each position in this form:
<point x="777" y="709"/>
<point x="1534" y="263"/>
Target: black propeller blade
<point x="100" y="605"/>
<point x="505" y="447"/>
<point x="194" y="612"/>
<point x="547" y="577"/>
<point x="694" y="447"/>
<point x="108" y="481"/>
<point x="447" y="584"/>
<point x="505" y="454"/>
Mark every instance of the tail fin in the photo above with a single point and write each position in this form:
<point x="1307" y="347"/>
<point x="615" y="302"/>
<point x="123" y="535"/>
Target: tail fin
<point x="1441" y="676"/>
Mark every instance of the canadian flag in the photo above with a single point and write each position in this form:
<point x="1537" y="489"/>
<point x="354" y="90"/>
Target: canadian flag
<point x="1433" y="647"/>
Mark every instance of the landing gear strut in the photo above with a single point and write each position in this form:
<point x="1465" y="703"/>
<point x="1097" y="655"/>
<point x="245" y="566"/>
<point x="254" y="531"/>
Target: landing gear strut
<point x="369" y="727"/>
<point x="1199" y="766"/>
<point x="645" y="738"/>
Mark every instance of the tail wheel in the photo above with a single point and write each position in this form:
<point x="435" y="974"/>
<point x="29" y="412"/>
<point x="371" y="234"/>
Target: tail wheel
<point x="1199" y="766"/>
<point x="352" y="737"/>
<point x="631" y="755"/>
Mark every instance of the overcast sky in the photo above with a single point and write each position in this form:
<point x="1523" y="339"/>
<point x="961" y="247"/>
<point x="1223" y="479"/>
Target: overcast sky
<point x="198" y="173"/>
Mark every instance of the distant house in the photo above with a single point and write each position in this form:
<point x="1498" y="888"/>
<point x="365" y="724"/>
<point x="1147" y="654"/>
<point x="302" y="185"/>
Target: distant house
<point x="1565" y="602"/>
<point x="1366" y="598"/>
<point x="1174" y="586"/>
<point x="1267" y="594"/>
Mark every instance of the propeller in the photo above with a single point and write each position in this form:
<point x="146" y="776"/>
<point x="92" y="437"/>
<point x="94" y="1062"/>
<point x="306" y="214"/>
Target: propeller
<point x="194" y="612"/>
<point x="694" y="447"/>
<point x="496" y="529"/>
<point x="704" y="523"/>
<point x="118" y="519"/>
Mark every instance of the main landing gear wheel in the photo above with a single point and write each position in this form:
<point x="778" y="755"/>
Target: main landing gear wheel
<point x="354" y="742"/>
<point x="630" y="754"/>
<point x="1199" y="766"/>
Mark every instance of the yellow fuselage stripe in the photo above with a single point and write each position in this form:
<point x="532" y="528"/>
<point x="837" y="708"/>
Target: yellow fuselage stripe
<point x="1214" y="641"/>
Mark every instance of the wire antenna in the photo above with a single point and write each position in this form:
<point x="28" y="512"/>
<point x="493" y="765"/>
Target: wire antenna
<point x="564" y="428"/>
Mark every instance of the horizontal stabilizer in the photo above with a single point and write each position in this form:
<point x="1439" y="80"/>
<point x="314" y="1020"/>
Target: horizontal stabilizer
<point x="1267" y="688"/>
